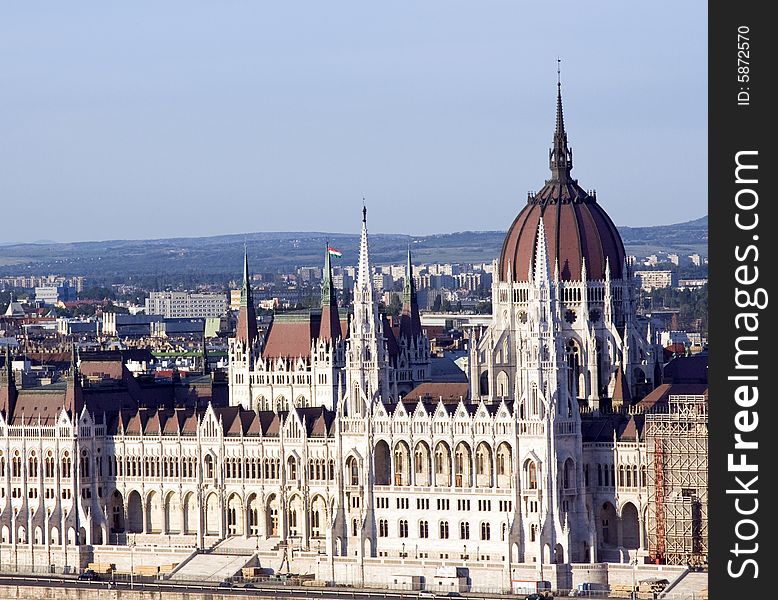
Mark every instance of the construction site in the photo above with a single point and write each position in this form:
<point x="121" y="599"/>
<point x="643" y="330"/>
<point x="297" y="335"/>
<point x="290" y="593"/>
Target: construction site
<point x="677" y="446"/>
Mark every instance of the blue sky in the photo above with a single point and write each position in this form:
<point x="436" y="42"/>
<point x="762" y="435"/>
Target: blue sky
<point x="150" y="119"/>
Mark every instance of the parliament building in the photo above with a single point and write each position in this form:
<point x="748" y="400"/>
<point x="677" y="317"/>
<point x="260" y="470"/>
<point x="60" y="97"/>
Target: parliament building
<point x="574" y="448"/>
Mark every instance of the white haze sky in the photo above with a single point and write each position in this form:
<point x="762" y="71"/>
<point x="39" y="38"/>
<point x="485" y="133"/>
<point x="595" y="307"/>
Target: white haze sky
<point x="185" y="118"/>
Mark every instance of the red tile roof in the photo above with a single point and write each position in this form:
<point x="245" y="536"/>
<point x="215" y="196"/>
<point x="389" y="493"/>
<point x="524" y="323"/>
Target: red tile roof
<point x="288" y="339"/>
<point x="449" y="392"/>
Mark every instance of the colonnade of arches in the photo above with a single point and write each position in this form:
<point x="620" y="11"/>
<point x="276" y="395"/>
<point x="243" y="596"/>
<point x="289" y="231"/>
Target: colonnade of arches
<point x="218" y="516"/>
<point x="39" y="535"/>
<point x="443" y="465"/>
<point x="625" y="528"/>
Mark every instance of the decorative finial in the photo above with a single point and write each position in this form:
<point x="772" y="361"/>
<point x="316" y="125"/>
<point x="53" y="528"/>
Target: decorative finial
<point x="559" y="71"/>
<point x="364" y="211"/>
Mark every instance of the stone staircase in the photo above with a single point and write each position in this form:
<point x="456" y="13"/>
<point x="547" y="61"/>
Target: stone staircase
<point x="211" y="567"/>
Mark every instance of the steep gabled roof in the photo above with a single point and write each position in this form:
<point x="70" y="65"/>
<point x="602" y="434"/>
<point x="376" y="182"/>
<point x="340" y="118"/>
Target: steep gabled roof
<point x="290" y="335"/>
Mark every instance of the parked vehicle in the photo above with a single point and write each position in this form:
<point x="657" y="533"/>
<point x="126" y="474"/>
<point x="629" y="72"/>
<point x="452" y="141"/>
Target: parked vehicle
<point x="88" y="575"/>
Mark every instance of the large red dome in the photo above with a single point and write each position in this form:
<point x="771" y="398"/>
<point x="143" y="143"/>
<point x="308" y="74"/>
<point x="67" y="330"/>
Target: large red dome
<point x="576" y="226"/>
<point x="575" y="229"/>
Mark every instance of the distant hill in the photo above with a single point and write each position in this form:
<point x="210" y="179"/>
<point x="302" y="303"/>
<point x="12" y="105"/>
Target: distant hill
<point x="281" y="251"/>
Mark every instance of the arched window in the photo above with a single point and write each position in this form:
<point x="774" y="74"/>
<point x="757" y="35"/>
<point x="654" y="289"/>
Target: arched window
<point x="532" y="475"/>
<point x="32" y="465"/>
<point x="486" y="531"/>
<point x="66" y="465"/>
<point x="398" y="460"/>
<point x="621" y="475"/>
<point x="353" y="469"/>
<point x="574" y="370"/>
<point x="534" y="402"/>
<point x="209" y="466"/>
<point x="443" y="530"/>
<point x="483" y="384"/>
<point x="84" y="464"/>
<point x="464" y="530"/>
<point x="424" y="529"/>
<point x="403" y="528"/>
<point x="502" y="384"/>
<point x="48" y="468"/>
<point x="568" y="474"/>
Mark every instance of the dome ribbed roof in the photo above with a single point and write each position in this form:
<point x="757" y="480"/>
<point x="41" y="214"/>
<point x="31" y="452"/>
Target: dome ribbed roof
<point x="576" y="226"/>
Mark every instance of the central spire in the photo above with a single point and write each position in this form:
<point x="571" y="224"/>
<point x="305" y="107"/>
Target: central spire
<point x="560" y="156"/>
<point x="364" y="282"/>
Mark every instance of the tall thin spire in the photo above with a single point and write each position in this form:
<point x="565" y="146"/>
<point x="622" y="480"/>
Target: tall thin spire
<point x="364" y="282"/>
<point x="330" y="319"/>
<point x="410" y="320"/>
<point x="326" y="280"/>
<point x="245" y="293"/>
<point x="246" y="329"/>
<point x="560" y="155"/>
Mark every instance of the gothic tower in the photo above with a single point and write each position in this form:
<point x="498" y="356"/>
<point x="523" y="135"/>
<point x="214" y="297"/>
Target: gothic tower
<point x="244" y="347"/>
<point x="563" y="326"/>
<point x="413" y="361"/>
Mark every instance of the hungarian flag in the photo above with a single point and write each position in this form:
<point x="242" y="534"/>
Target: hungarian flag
<point x="335" y="253"/>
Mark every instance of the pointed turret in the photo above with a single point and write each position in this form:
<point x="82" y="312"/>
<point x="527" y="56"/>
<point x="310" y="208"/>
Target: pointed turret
<point x="621" y="393"/>
<point x="204" y="356"/>
<point x="560" y="156"/>
<point x="74" y="397"/>
<point x="542" y="268"/>
<point x="364" y="281"/>
<point x="246" y="330"/>
<point x="8" y="392"/>
<point x="410" y="320"/>
<point x="330" y="319"/>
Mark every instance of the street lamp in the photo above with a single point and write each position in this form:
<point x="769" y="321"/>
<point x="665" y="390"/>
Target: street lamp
<point x="132" y="562"/>
<point x="634" y="563"/>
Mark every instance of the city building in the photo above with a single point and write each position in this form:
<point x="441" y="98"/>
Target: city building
<point x="185" y="304"/>
<point x="692" y="284"/>
<point x="546" y="457"/>
<point x="49" y="295"/>
<point x="651" y="280"/>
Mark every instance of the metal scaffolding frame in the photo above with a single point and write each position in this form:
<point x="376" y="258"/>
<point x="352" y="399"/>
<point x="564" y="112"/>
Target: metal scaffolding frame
<point x="677" y="443"/>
